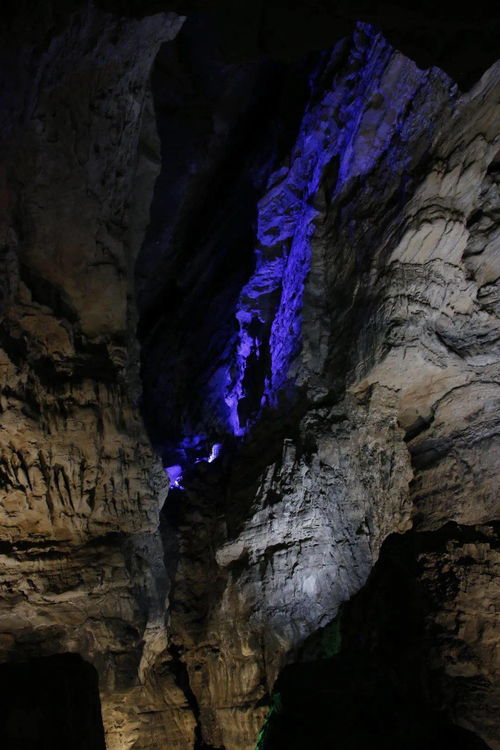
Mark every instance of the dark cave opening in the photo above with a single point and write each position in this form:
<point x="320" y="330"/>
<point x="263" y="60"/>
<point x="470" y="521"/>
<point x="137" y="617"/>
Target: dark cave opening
<point x="50" y="703"/>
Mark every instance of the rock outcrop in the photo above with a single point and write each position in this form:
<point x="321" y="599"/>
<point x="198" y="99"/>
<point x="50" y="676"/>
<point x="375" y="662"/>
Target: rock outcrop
<point x="316" y="293"/>
<point x="359" y="377"/>
<point x="81" y="490"/>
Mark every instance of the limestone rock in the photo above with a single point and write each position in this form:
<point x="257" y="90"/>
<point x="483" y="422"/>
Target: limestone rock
<point x="81" y="490"/>
<point x="364" y="376"/>
<point x="317" y="305"/>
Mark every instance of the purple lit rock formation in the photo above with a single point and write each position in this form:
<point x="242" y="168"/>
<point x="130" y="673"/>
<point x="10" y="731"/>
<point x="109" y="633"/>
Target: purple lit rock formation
<point x="338" y="369"/>
<point x="308" y="251"/>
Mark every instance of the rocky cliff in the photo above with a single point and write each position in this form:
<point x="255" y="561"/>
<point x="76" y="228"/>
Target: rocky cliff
<point x="280" y="280"/>
<point x="81" y="488"/>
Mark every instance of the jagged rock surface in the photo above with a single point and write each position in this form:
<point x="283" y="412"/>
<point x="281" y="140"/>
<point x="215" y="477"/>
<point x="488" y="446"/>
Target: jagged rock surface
<point x="355" y="356"/>
<point x="383" y="673"/>
<point x="364" y="299"/>
<point x="81" y="563"/>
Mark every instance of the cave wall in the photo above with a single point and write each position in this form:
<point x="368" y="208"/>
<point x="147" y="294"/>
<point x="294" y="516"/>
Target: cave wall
<point x="82" y="566"/>
<point x="308" y="251"/>
<point x="374" y="676"/>
<point x="359" y="381"/>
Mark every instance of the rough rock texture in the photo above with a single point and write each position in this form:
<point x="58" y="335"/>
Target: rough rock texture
<point x="317" y="305"/>
<point x="81" y="565"/>
<point x="382" y="674"/>
<point x="462" y="581"/>
<point x="67" y="184"/>
<point x="360" y="377"/>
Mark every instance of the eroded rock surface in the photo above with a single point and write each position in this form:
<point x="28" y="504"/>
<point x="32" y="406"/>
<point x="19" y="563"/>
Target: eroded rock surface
<point x="317" y="304"/>
<point x="361" y="381"/>
<point x="81" y="490"/>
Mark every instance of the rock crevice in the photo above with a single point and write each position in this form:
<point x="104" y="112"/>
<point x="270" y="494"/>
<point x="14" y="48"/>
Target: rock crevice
<point x="282" y="279"/>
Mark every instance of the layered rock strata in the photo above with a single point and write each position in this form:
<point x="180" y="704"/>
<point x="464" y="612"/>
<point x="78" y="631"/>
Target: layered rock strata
<point x="359" y="379"/>
<point x="317" y="297"/>
<point x="81" y="490"/>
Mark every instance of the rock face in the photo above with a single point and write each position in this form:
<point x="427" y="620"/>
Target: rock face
<point x="317" y="291"/>
<point x="358" y="377"/>
<point x="376" y="676"/>
<point x="81" y="490"/>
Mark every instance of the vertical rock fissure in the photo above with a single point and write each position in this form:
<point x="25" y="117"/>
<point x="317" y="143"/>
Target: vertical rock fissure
<point x="181" y="674"/>
<point x="359" y="215"/>
<point x="336" y="358"/>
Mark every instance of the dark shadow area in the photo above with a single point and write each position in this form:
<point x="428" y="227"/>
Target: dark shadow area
<point x="222" y="130"/>
<point x="50" y="703"/>
<point x="378" y="691"/>
<point x="461" y="39"/>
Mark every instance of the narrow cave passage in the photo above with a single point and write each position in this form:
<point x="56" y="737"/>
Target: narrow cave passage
<point x="50" y="703"/>
<point x="288" y="265"/>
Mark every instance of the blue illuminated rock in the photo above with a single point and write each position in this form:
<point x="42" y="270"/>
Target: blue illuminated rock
<point x="309" y="252"/>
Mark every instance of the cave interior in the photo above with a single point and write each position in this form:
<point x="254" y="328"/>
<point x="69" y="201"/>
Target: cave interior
<point x="250" y="375"/>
